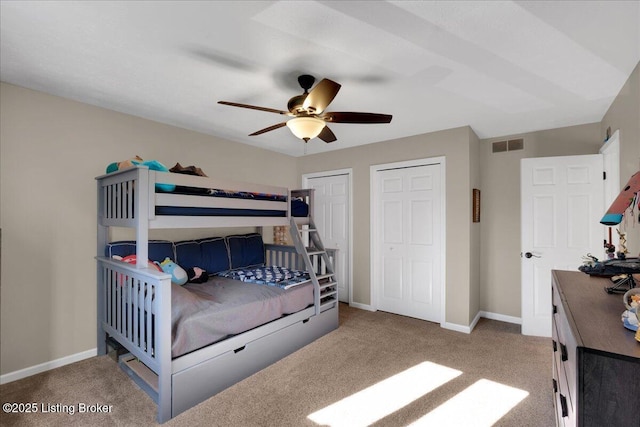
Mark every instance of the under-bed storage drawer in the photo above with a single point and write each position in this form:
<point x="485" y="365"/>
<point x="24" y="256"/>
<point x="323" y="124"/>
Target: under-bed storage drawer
<point x="193" y="385"/>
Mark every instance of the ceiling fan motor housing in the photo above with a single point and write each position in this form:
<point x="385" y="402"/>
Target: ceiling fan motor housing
<point x="295" y="104"/>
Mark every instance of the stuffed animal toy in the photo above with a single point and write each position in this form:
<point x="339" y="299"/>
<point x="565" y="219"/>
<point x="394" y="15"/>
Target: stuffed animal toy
<point x="197" y="275"/>
<point x="132" y="259"/>
<point x="124" y="164"/>
<point x="178" y="275"/>
<point x="187" y="170"/>
<point x="151" y="164"/>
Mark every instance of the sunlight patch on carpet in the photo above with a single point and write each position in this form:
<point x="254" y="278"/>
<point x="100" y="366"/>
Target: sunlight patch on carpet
<point x="376" y="402"/>
<point x="481" y="404"/>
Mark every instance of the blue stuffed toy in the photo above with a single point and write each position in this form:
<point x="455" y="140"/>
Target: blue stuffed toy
<point x="178" y="275"/>
<point x="154" y="165"/>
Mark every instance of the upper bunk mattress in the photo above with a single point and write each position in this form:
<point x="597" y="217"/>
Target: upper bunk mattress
<point x="204" y="313"/>
<point x="298" y="207"/>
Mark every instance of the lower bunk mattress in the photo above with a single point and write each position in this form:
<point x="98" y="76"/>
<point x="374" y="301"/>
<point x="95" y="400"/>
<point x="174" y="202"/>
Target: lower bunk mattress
<point x="204" y="313"/>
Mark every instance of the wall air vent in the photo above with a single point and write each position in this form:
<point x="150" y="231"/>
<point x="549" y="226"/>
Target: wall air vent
<point x="500" y="146"/>
<point x="515" y="144"/>
<point x="510" y="145"/>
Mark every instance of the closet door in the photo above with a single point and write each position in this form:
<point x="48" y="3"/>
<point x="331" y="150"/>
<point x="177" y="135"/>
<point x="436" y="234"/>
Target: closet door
<point x="408" y="243"/>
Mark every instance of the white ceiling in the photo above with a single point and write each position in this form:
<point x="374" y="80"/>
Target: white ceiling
<point x="501" y="67"/>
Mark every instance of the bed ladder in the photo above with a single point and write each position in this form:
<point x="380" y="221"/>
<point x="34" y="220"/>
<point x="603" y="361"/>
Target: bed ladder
<point x="319" y="266"/>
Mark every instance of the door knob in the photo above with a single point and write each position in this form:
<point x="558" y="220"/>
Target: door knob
<point x="530" y="255"/>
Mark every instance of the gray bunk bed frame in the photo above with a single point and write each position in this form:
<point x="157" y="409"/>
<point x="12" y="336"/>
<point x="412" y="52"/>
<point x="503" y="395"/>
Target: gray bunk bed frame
<point x="137" y="314"/>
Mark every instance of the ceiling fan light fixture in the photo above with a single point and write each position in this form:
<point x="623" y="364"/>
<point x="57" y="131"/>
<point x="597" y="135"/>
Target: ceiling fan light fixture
<point x="306" y="128"/>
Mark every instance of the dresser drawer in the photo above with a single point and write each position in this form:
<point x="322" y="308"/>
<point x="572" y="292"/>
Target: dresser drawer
<point x="564" y="396"/>
<point x="564" y="405"/>
<point x="566" y="345"/>
<point x="556" y="399"/>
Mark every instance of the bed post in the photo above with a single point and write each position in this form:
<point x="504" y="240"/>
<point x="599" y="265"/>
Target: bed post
<point x="142" y="216"/>
<point x="103" y="235"/>
<point x="162" y="347"/>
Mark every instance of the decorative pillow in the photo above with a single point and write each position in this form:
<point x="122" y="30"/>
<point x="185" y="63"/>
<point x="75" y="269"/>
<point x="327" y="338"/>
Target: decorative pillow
<point x="209" y="254"/>
<point x="245" y="250"/>
<point x="158" y="249"/>
<point x="188" y="254"/>
<point x="215" y="255"/>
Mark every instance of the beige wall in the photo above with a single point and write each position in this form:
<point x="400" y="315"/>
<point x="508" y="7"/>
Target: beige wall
<point x="51" y="150"/>
<point x="500" y="225"/>
<point x="453" y="144"/>
<point x="624" y="116"/>
<point x="475" y="181"/>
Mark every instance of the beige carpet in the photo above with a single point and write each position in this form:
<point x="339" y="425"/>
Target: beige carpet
<point x="367" y="349"/>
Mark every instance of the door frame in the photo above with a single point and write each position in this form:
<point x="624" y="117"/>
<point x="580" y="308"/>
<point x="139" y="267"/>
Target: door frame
<point x="349" y="173"/>
<point x="375" y="238"/>
<point x="610" y="151"/>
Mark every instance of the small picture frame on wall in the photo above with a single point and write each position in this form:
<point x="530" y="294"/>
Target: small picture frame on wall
<point x="476" y="205"/>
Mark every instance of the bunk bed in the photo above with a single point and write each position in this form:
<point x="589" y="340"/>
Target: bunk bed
<point x="137" y="304"/>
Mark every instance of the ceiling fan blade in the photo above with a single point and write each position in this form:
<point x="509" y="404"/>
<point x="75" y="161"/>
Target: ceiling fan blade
<point x="269" y="129"/>
<point x="351" y="117"/>
<point x="253" y="107"/>
<point x="327" y="135"/>
<point x="321" y="96"/>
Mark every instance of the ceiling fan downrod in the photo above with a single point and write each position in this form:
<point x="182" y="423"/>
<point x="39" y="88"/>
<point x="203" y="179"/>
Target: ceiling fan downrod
<point x="306" y="81"/>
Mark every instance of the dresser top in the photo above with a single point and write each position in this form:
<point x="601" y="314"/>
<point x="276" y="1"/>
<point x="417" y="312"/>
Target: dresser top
<point x="594" y="315"/>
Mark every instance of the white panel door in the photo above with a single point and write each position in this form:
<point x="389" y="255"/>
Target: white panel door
<point x="562" y="203"/>
<point x="331" y="215"/>
<point x="407" y="271"/>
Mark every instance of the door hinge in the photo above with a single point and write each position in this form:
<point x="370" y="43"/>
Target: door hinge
<point x="604" y="175"/>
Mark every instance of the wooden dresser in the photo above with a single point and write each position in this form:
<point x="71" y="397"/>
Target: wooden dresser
<point x="596" y="361"/>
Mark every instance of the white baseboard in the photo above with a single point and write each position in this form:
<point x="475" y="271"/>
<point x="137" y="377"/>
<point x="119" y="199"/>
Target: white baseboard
<point x="27" y="372"/>
<point x="462" y="328"/>
<point x="361" y="306"/>
<point x="485" y="314"/>
<point x="474" y="322"/>
<point x="456" y="327"/>
<point x="501" y="317"/>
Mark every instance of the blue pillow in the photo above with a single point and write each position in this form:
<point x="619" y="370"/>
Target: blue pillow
<point x="158" y="249"/>
<point x="210" y="254"/>
<point x="188" y="254"/>
<point x="215" y="255"/>
<point x="245" y="250"/>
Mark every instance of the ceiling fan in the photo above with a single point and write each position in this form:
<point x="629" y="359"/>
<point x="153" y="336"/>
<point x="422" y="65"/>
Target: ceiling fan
<point x="309" y="118"/>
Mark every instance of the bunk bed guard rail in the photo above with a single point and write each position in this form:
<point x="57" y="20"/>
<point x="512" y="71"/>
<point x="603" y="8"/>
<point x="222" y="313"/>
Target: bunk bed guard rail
<point x="128" y="300"/>
<point x="120" y="205"/>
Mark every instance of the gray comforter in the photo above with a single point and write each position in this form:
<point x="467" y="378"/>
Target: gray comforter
<point x="203" y="313"/>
